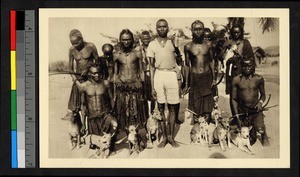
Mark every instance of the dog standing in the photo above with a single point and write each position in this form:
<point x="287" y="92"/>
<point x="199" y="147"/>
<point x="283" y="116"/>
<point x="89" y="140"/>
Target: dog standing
<point x="241" y="140"/>
<point x="199" y="132"/>
<point x="103" y="143"/>
<point x="152" y="128"/>
<point x="74" y="126"/>
<point x="220" y="133"/>
<point x="134" y="139"/>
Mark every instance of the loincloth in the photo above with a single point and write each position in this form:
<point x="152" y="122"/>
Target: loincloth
<point x="130" y="105"/>
<point x="200" y="96"/>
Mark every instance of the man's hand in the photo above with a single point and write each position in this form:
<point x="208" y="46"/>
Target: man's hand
<point x="185" y="90"/>
<point x="154" y="94"/>
<point x="259" y="106"/>
<point x="82" y="130"/>
<point x="214" y="82"/>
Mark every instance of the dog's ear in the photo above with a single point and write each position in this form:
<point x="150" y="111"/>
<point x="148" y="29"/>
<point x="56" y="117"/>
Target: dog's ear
<point x="230" y="119"/>
<point x="137" y="126"/>
<point x="250" y="127"/>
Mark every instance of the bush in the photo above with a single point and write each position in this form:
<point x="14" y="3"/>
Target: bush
<point x="58" y="66"/>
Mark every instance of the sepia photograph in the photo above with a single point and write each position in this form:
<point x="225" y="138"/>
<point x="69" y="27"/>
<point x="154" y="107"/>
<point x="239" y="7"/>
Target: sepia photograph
<point x="164" y="88"/>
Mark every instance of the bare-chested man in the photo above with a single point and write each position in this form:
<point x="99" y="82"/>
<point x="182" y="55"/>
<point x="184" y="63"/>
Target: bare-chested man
<point x="130" y="107"/>
<point x="97" y="104"/>
<point x="164" y="81"/>
<point x="106" y="62"/>
<point x="248" y="95"/>
<point x="198" y="58"/>
<point x="81" y="55"/>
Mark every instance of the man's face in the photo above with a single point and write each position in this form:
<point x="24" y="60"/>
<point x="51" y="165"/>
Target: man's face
<point x="145" y="39"/>
<point x="162" y="28"/>
<point x="126" y="40"/>
<point x="77" y="42"/>
<point x="198" y="30"/>
<point x="248" y="68"/>
<point x="236" y="32"/>
<point x="94" y="74"/>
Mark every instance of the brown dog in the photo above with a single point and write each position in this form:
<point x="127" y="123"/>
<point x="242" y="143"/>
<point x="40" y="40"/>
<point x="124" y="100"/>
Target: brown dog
<point x="74" y="126"/>
<point x="220" y="133"/>
<point x="216" y="113"/>
<point x="241" y="140"/>
<point x="152" y="128"/>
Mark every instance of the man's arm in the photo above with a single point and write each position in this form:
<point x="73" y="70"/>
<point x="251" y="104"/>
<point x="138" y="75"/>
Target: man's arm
<point x="95" y="53"/>
<point x="186" y="68"/>
<point x="234" y="93"/>
<point x="141" y="69"/>
<point x="152" y="71"/>
<point x="212" y="66"/>
<point x="83" y="112"/>
<point x="262" y="93"/>
<point x="110" y="93"/>
<point x="71" y="63"/>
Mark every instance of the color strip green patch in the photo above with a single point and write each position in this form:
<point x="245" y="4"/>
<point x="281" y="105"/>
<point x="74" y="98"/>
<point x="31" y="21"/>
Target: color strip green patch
<point x="13" y="110"/>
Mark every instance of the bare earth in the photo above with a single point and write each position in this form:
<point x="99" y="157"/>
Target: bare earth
<point x="60" y="87"/>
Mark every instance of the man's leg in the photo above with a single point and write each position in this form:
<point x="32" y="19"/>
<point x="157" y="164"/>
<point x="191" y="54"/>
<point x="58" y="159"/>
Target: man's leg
<point x="161" y="109"/>
<point x="173" y="113"/>
<point x="261" y="129"/>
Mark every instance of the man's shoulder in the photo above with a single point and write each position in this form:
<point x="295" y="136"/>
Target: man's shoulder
<point x="72" y="48"/>
<point x="90" y="44"/>
<point x="257" y="76"/>
<point x="237" y="78"/>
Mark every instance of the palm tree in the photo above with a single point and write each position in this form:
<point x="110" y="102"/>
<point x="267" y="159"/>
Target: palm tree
<point x="266" y="24"/>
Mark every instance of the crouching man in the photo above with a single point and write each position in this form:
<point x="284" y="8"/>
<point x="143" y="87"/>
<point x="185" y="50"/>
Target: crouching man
<point x="248" y="95"/>
<point x="96" y="106"/>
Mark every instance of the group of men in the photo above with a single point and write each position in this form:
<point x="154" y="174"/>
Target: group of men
<point x="124" y="85"/>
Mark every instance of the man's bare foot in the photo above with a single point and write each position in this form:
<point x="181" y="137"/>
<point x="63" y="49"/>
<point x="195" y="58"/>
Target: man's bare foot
<point x="173" y="142"/>
<point x="163" y="143"/>
<point x="149" y="145"/>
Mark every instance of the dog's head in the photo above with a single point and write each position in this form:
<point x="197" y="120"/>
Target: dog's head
<point x="132" y="129"/>
<point x="103" y="142"/>
<point x="202" y="122"/>
<point x="215" y="113"/>
<point x="224" y="122"/>
<point x="152" y="122"/>
<point x="245" y="132"/>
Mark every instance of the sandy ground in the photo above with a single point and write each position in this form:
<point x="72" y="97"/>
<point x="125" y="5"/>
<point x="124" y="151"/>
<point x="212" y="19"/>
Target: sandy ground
<point x="60" y="86"/>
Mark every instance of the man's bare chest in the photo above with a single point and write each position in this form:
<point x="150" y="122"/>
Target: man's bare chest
<point x="85" y="54"/>
<point x="199" y="49"/>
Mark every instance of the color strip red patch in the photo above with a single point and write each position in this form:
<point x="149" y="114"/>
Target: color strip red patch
<point x="12" y="30"/>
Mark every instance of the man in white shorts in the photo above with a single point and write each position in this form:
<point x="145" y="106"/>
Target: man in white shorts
<point x="164" y="83"/>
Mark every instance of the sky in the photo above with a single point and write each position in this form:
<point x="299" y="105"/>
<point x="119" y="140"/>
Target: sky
<point x="59" y="28"/>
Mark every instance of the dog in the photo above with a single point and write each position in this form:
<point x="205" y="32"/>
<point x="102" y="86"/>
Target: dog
<point x="216" y="113"/>
<point x="220" y="133"/>
<point x="241" y="140"/>
<point x="103" y="143"/>
<point x="134" y="139"/>
<point x="199" y="132"/>
<point x="74" y="126"/>
<point x="152" y="128"/>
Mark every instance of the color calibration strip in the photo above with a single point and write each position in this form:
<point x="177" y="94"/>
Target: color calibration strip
<point x="22" y="88"/>
<point x="14" y="153"/>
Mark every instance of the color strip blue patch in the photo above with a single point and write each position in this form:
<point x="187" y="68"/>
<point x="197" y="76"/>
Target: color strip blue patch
<point x="14" y="150"/>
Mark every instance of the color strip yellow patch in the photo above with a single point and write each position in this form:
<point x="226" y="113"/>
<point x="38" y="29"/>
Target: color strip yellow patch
<point x="13" y="67"/>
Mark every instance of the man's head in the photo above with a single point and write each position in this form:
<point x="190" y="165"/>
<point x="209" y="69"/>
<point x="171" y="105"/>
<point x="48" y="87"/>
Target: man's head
<point x="197" y="30"/>
<point x="107" y="49"/>
<point x="94" y="73"/>
<point x="237" y="32"/>
<point x="145" y="38"/>
<point x="207" y="34"/>
<point x="248" y="67"/>
<point x="162" y="28"/>
<point x="126" y="39"/>
<point x="76" y="39"/>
